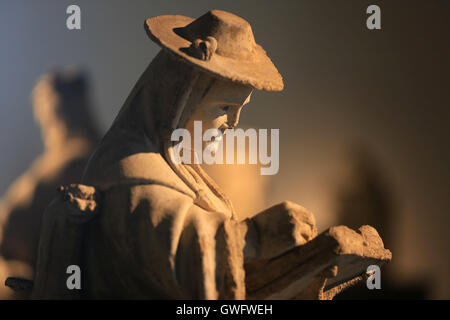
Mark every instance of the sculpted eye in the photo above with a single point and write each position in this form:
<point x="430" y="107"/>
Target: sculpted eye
<point x="225" y="108"/>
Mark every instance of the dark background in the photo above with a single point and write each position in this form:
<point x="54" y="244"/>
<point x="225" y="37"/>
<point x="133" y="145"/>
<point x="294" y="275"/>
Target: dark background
<point x="386" y="92"/>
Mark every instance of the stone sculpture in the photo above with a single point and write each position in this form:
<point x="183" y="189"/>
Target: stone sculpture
<point x="142" y="226"/>
<point x="61" y="107"/>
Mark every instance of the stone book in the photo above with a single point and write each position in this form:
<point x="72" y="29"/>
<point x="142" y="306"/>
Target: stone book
<point x="321" y="268"/>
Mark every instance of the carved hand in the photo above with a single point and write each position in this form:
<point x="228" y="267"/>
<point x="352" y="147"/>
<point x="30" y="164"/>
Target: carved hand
<point x="278" y="229"/>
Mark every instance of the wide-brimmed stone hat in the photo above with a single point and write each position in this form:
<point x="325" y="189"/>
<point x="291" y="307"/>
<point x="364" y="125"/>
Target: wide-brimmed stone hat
<point x="218" y="42"/>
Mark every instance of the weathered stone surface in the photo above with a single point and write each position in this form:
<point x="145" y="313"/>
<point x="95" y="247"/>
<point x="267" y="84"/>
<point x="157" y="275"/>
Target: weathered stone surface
<point x="318" y="269"/>
<point x="165" y="230"/>
<point x="61" y="242"/>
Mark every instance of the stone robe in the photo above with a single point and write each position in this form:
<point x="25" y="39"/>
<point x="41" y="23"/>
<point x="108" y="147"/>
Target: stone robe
<point x="149" y="234"/>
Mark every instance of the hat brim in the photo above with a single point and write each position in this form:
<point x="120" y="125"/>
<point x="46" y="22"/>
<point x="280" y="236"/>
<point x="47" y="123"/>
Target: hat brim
<point x="260" y="74"/>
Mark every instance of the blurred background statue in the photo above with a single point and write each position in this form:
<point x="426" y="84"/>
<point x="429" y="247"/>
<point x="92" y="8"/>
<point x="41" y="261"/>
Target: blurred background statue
<point x="61" y="107"/>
